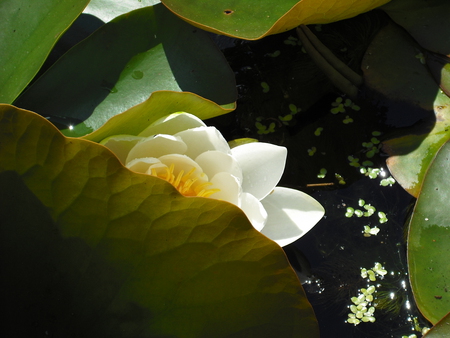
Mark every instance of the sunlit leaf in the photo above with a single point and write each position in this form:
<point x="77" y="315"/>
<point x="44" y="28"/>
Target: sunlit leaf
<point x="28" y="31"/>
<point x="412" y="154"/>
<point x="441" y="329"/>
<point x="429" y="240"/>
<point x="123" y="62"/>
<point x="106" y="10"/>
<point x="402" y="78"/>
<point x="159" y="104"/>
<point x="91" y="249"/>
<point x="255" y="19"/>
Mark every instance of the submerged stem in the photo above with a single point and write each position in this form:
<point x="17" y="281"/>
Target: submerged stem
<point x="342" y="76"/>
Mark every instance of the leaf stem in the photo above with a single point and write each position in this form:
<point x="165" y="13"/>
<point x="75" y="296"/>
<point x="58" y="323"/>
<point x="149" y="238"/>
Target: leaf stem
<point x="344" y="78"/>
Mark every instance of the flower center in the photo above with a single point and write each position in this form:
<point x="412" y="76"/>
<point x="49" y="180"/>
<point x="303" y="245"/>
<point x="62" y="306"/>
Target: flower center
<point x="188" y="184"/>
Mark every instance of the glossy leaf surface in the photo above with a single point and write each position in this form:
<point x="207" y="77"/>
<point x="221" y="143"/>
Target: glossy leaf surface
<point x="429" y="240"/>
<point x="94" y="250"/>
<point x="28" y="31"/>
<point x="403" y="78"/>
<point x="123" y="62"/>
<point x="106" y="10"/>
<point x="441" y="329"/>
<point x="159" y="104"/>
<point x="253" y="20"/>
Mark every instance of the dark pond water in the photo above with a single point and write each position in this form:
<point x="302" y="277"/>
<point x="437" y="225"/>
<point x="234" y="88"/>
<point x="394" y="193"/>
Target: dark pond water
<point x="276" y="79"/>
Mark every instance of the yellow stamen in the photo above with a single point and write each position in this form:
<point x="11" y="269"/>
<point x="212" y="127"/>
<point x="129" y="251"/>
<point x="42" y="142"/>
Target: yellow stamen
<point x="184" y="182"/>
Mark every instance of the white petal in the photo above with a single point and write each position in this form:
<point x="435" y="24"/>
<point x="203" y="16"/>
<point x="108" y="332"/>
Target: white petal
<point x="229" y="186"/>
<point x="262" y="166"/>
<point x="173" y="124"/>
<point x="213" y="162"/>
<point x="141" y="165"/>
<point x="254" y="210"/>
<point x="121" y="145"/>
<point x="291" y="214"/>
<point x="181" y="162"/>
<point x="157" y="146"/>
<point x="202" y="139"/>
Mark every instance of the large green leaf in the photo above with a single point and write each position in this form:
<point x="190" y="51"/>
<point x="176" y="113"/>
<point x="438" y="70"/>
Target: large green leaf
<point x="429" y="240"/>
<point x="159" y="104"/>
<point x="123" y="62"/>
<point x="28" y="31"/>
<point x="441" y="329"/>
<point x="402" y="78"/>
<point x="254" y="19"/>
<point x="91" y="249"/>
<point x="426" y="21"/>
<point x="106" y="10"/>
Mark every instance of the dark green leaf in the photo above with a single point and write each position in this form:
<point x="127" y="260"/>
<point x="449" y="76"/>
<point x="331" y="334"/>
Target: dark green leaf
<point x="429" y="240"/>
<point x="403" y="78"/>
<point x="91" y="249"/>
<point x="28" y="31"/>
<point x="426" y="21"/>
<point x="123" y="62"/>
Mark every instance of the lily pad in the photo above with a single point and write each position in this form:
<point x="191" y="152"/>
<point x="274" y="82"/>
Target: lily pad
<point x="440" y="68"/>
<point x="429" y="240"/>
<point x="159" y="104"/>
<point x="95" y="250"/>
<point x="106" y="10"/>
<point x="426" y="21"/>
<point x="441" y="329"/>
<point x="412" y="154"/>
<point x="252" y="20"/>
<point x="403" y="78"/>
<point x="29" y="30"/>
<point x="123" y="62"/>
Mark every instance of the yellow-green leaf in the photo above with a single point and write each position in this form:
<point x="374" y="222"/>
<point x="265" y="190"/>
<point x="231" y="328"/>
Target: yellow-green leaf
<point x="91" y="249"/>
<point x="159" y="104"/>
<point x="429" y="240"/>
<point x="254" y="19"/>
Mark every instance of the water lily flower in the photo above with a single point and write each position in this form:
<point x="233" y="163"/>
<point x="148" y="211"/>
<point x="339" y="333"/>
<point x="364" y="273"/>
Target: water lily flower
<point x="197" y="160"/>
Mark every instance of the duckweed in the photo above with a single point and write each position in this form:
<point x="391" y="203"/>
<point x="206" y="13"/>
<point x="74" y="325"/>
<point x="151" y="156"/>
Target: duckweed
<point x="318" y="131"/>
<point x="387" y="181"/>
<point x="322" y="173"/>
<point x="312" y="151"/>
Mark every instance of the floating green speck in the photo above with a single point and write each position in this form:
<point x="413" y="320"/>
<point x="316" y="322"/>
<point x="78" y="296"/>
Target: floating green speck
<point x="318" y="131"/>
<point x="347" y="120"/>
<point x="387" y="181"/>
<point x="370" y="154"/>
<point x="285" y="119"/>
<point x="293" y="108"/>
<point x="265" y="87"/>
<point x="274" y="54"/>
<point x="322" y="173"/>
<point x="312" y="151"/>
<point x="355" y="107"/>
